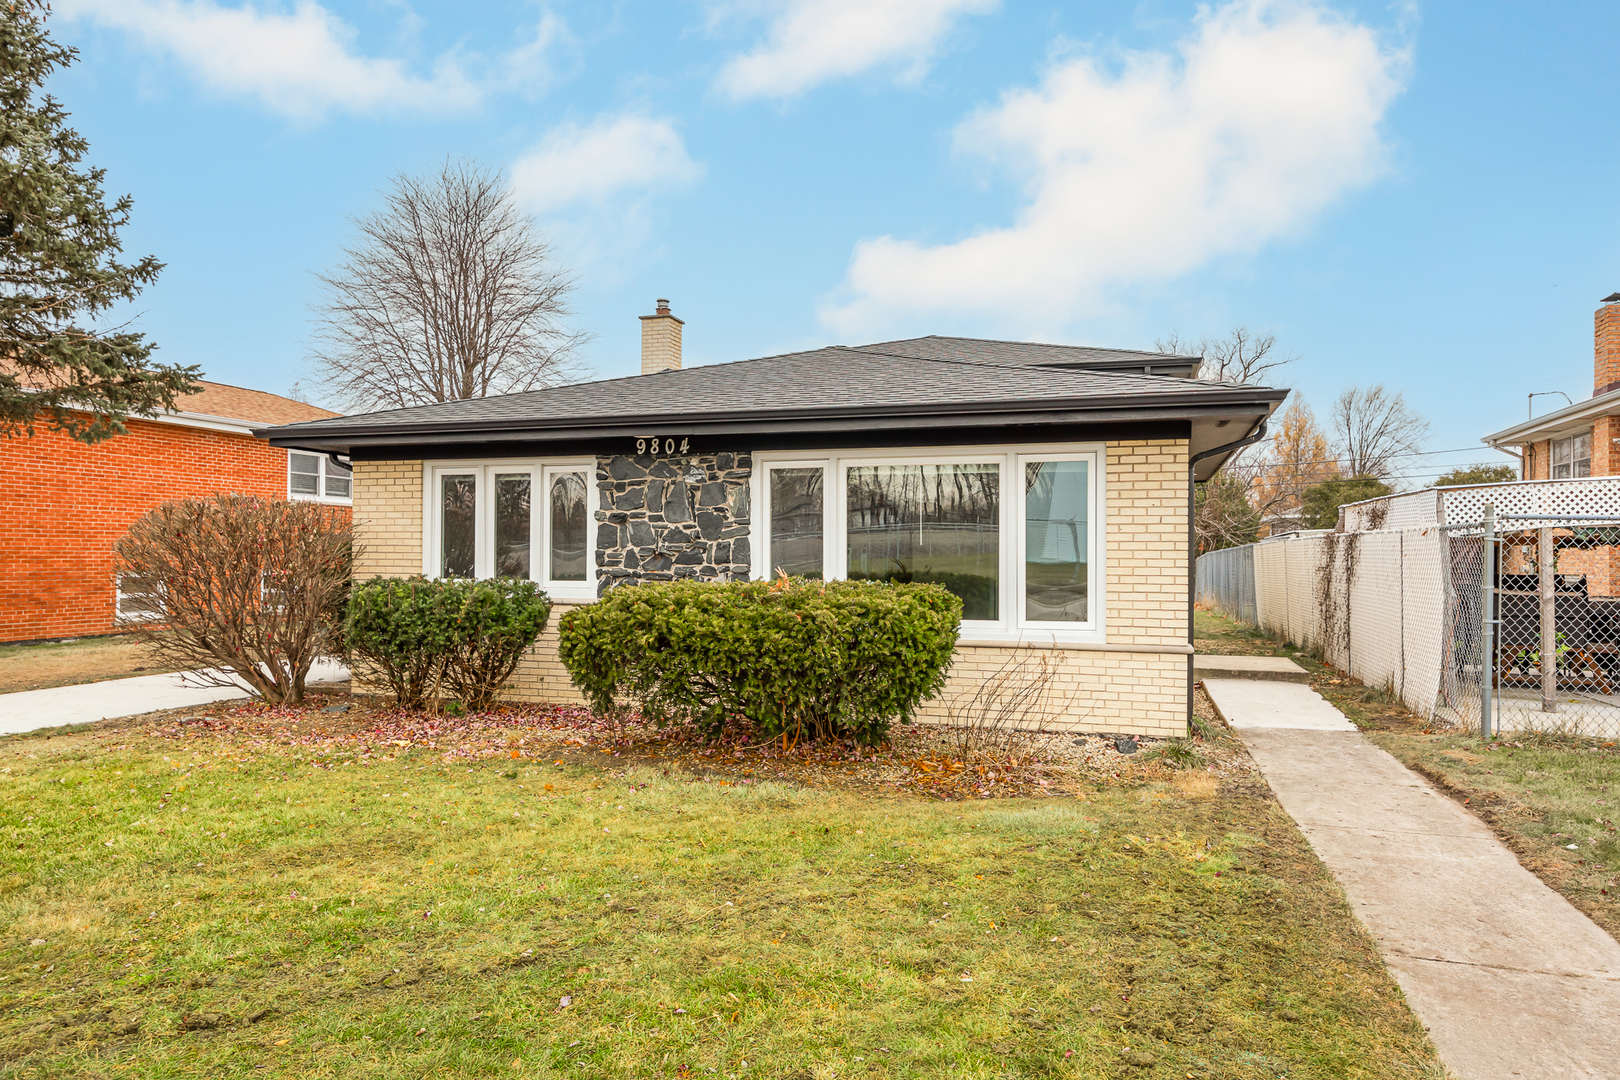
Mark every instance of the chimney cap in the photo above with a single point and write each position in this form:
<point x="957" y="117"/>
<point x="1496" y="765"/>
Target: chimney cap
<point x="663" y="306"/>
<point x="1612" y="298"/>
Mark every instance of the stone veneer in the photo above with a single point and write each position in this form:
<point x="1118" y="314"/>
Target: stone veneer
<point x="665" y="519"/>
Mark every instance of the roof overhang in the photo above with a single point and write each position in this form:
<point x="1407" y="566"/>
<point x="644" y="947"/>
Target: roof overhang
<point x="1217" y="417"/>
<point x="1558" y="423"/>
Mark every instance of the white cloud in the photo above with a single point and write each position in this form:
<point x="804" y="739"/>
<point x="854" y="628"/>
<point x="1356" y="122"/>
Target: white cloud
<point x="1267" y="115"/>
<point x="610" y="157"/>
<point x="302" y="63"/>
<point x="812" y="41"/>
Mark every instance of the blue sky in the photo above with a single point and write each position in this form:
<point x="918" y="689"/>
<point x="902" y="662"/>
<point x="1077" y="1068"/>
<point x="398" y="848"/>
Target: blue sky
<point x="1415" y="194"/>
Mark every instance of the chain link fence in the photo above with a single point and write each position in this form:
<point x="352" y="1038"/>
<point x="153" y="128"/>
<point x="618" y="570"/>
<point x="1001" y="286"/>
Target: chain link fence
<point x="1554" y="632"/>
<point x="1500" y="625"/>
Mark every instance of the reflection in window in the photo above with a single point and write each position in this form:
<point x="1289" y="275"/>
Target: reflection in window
<point x="569" y="531"/>
<point x="512" y="525"/>
<point x="457" y="525"/>
<point x="796" y="522"/>
<point x="1055" y="509"/>
<point x="339" y="480"/>
<point x="930" y="523"/>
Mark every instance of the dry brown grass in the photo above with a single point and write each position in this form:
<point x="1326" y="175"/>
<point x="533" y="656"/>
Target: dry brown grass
<point x="36" y="667"/>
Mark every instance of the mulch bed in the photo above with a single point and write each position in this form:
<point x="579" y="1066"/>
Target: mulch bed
<point x="918" y="760"/>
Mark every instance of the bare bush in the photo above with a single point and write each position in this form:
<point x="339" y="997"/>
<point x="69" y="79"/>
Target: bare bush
<point x="1003" y="718"/>
<point x="249" y="589"/>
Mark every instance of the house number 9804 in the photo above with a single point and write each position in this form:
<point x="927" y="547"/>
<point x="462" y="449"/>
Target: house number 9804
<point x="657" y="445"/>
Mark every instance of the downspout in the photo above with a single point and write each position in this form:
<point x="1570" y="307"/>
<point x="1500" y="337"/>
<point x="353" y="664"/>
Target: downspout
<point x="1255" y="434"/>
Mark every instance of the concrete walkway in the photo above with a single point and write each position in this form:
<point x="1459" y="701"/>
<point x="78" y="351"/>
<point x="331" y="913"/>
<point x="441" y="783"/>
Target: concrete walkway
<point x="1508" y="977"/>
<point x="30" y="710"/>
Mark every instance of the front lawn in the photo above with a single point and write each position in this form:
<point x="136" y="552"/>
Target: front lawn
<point x="209" y="904"/>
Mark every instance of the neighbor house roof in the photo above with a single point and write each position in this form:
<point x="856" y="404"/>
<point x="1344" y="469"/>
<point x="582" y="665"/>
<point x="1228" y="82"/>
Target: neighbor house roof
<point x="255" y="406"/>
<point x="920" y="383"/>
<point x="1557" y="423"/>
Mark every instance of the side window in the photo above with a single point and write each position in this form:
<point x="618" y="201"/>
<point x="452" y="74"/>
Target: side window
<point x="138" y="599"/>
<point x="303" y="474"/>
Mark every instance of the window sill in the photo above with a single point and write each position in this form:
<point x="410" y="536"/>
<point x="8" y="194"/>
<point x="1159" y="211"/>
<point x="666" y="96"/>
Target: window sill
<point x="328" y="500"/>
<point x="1046" y="640"/>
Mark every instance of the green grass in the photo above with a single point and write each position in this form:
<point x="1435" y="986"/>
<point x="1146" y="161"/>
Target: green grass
<point x="210" y="908"/>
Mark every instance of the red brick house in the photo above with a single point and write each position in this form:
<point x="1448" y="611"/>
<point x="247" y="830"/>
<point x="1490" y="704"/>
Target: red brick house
<point x="1582" y="439"/>
<point x="63" y="504"/>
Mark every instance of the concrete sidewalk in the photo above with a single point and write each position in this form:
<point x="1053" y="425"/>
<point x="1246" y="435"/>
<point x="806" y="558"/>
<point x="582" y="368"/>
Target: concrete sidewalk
<point x="1509" y="978"/>
<point x="30" y="710"/>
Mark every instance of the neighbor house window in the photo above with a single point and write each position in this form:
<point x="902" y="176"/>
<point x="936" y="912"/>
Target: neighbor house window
<point x="316" y="476"/>
<point x="1572" y="457"/>
<point x="139" y="599"/>
<point x="1010" y="531"/>
<point x="528" y="520"/>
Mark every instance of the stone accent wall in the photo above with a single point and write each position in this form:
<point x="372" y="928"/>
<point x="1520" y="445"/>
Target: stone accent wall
<point x="665" y="519"/>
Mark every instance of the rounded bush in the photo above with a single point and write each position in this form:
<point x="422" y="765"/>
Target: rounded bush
<point x="799" y="658"/>
<point x="465" y="637"/>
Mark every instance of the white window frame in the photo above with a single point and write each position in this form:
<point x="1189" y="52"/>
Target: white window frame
<point x="119" y="595"/>
<point x="540" y="474"/>
<point x="1011" y="627"/>
<point x="321" y="473"/>
<point x="1565" y="449"/>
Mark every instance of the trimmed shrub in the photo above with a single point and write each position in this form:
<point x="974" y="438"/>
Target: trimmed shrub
<point x="798" y="658"/>
<point x="462" y="636"/>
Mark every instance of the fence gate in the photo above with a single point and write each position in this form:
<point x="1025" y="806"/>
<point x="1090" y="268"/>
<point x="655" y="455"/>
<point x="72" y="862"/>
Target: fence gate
<point x="1551" y="639"/>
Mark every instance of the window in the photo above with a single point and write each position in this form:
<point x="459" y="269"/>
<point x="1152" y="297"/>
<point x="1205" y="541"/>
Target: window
<point x="1009" y="530"/>
<point x="316" y="476"/>
<point x="527" y="520"/>
<point x="1572" y="457"/>
<point x="139" y="599"/>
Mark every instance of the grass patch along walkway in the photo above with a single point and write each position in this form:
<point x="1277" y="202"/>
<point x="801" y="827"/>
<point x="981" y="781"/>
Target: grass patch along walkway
<point x="215" y="906"/>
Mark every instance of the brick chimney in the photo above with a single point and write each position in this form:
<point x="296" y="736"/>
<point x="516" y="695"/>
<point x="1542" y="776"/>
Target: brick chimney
<point x="661" y="342"/>
<point x="1606" y="345"/>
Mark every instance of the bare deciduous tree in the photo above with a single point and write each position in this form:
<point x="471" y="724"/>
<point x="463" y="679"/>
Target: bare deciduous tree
<point x="1373" y="427"/>
<point x="1242" y="356"/>
<point x="449" y="292"/>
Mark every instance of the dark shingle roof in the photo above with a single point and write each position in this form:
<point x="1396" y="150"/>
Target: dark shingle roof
<point x="927" y="376"/>
<point x="1026" y="352"/>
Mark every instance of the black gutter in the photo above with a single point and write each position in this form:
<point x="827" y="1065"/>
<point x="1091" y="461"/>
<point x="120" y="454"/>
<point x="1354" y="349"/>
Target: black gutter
<point x="1255" y="434"/>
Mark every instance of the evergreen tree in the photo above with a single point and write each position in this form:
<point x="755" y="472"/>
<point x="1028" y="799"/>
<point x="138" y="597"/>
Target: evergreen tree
<point x="59" y="265"/>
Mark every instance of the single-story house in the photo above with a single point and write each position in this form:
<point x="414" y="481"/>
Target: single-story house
<point x="63" y="504"/>
<point x="1047" y="485"/>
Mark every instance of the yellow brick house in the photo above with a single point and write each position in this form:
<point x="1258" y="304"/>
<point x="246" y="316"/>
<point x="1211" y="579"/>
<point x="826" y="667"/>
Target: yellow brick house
<point x="1049" y="486"/>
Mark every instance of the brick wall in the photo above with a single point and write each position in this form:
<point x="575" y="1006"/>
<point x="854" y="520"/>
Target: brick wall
<point x="1606" y="349"/>
<point x="1122" y="691"/>
<point x="387" y="518"/>
<point x="63" y="504"/>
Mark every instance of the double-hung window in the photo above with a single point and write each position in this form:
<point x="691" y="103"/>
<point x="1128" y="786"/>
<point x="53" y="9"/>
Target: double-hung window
<point x="1572" y="457"/>
<point x="1015" y="532"/>
<point x="518" y="519"/>
<point x="316" y="476"/>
